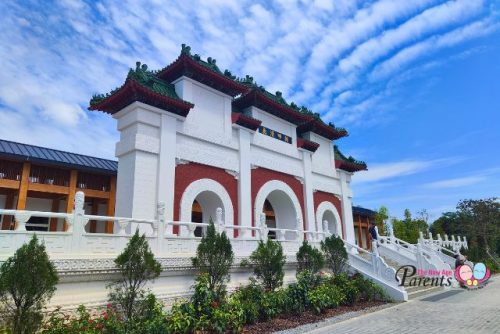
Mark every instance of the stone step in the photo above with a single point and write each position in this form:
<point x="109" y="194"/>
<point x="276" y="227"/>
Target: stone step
<point x="422" y="291"/>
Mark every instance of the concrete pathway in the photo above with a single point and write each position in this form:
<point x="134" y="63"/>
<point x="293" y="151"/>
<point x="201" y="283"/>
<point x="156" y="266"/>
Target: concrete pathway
<point x="453" y="311"/>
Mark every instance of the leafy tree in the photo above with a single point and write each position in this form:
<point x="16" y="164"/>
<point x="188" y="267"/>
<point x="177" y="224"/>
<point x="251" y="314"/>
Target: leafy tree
<point x="309" y="258"/>
<point x="214" y="256"/>
<point x="27" y="282"/>
<point x="335" y="254"/>
<point x="482" y="220"/>
<point x="268" y="261"/>
<point x="448" y="224"/>
<point x="408" y="229"/>
<point x="381" y="218"/>
<point x="137" y="266"/>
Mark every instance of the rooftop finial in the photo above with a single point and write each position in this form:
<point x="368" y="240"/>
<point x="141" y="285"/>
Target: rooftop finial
<point x="185" y="49"/>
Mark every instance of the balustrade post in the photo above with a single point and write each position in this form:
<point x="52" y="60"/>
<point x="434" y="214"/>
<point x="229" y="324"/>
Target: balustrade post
<point x="440" y="242"/>
<point x="421" y="237"/>
<point x="160" y="225"/>
<point x="326" y="231"/>
<point x="391" y="234"/>
<point x="76" y="222"/>
<point x="263" y="227"/>
<point x="21" y="218"/>
<point x="375" y="259"/>
<point x="191" y="228"/>
<point x="220" y="226"/>
<point x="419" y="257"/>
<point x="299" y="228"/>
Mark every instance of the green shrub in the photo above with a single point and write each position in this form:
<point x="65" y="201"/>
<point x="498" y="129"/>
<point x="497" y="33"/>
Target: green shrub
<point x="325" y="296"/>
<point x="153" y="321"/>
<point x="335" y="254"/>
<point x="228" y="317"/>
<point x="137" y="266"/>
<point x="151" y="318"/>
<point x="268" y="261"/>
<point x="348" y="286"/>
<point x="214" y="256"/>
<point x="83" y="322"/>
<point x="181" y="318"/>
<point x="206" y="311"/>
<point x="27" y="282"/>
<point x="309" y="258"/>
<point x="368" y="290"/>
<point x="297" y="293"/>
<point x="274" y="303"/>
<point x="250" y="299"/>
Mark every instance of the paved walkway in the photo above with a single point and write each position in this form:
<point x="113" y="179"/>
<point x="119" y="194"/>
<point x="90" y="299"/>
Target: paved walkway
<point x="453" y="311"/>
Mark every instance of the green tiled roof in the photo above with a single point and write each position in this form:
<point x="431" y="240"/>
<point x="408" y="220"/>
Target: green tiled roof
<point x="146" y="78"/>
<point x="210" y="63"/>
<point x="278" y="97"/>
<point x="341" y="157"/>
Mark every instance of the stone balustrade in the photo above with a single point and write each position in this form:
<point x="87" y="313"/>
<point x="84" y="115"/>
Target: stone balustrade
<point x="76" y="242"/>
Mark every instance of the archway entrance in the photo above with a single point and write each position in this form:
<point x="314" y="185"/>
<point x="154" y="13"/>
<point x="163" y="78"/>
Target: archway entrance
<point x="280" y="213"/>
<point x="204" y="208"/>
<point x="327" y="217"/>
<point x="200" y="202"/>
<point x="284" y="210"/>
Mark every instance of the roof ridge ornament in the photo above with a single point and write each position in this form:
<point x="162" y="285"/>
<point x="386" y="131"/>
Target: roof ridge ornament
<point x="185" y="49"/>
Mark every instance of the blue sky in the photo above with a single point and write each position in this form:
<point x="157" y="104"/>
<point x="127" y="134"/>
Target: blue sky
<point x="416" y="83"/>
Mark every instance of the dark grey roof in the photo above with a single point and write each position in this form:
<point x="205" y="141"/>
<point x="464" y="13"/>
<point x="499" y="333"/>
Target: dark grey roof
<point x="363" y="211"/>
<point x="25" y="152"/>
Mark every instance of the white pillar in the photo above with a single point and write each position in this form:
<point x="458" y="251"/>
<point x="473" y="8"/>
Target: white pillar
<point x="308" y="193"/>
<point x="166" y="167"/>
<point x="146" y="162"/>
<point x="244" y="182"/>
<point x="347" y="218"/>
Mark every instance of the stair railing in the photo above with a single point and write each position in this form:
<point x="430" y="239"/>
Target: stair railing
<point x="376" y="266"/>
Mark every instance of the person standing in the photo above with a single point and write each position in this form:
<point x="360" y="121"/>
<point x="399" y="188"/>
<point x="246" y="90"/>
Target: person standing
<point x="373" y="231"/>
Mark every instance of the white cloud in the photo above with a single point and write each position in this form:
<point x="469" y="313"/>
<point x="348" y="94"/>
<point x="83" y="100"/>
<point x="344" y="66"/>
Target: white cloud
<point x="378" y="172"/>
<point x="456" y="182"/>
<point x="411" y="53"/>
<point x="55" y="57"/>
<point x="344" y="35"/>
<point x="429" y="20"/>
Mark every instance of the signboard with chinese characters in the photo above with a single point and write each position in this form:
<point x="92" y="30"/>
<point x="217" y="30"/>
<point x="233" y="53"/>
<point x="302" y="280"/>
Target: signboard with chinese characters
<point x="275" y="134"/>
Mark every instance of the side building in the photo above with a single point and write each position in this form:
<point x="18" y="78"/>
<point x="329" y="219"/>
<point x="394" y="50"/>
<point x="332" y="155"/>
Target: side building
<point x="41" y="179"/>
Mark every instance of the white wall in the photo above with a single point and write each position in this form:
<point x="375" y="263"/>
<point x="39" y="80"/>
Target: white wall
<point x="207" y="153"/>
<point x="323" y="160"/>
<point x="210" y="118"/>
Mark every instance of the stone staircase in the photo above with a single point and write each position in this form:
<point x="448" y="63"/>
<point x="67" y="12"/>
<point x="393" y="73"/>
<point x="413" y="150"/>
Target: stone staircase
<point x="413" y="291"/>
